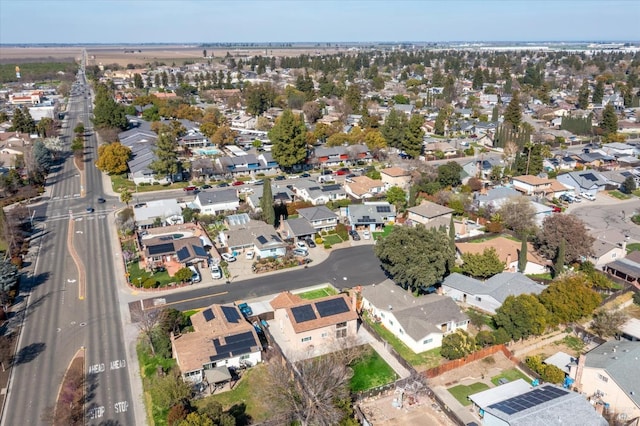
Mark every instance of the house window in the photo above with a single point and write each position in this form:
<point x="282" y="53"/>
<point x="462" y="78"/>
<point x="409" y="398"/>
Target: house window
<point x="382" y="314"/>
<point x="461" y="324"/>
<point x="306" y="339"/>
<point x="342" y="333"/>
<point x="390" y="322"/>
<point x="427" y="341"/>
<point x="401" y="331"/>
<point x="603" y="378"/>
<point x="243" y="357"/>
<point x="341" y="324"/>
<point x="325" y="334"/>
<point x="479" y="299"/>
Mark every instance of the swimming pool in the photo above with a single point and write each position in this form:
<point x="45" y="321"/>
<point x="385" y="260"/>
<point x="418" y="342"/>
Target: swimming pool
<point x="207" y="151"/>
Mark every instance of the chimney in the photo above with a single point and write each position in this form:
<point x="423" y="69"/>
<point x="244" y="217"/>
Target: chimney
<point x="508" y="259"/>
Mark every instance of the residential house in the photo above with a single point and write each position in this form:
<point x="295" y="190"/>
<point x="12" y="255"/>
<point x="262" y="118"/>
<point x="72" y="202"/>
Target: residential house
<point x="432" y="149"/>
<point x="596" y="159"/>
<point x="531" y="185"/>
<point x="320" y="217"/>
<point x="482" y="168"/>
<point x="221" y="337"/>
<point x="243" y="122"/>
<point x="562" y="360"/>
<point x="166" y="250"/>
<point x="608" y="375"/>
<point x="336" y="155"/>
<point x="158" y="213"/>
<point x="618" y="149"/>
<point x="430" y="214"/>
<point x="246" y="234"/>
<point x="395" y="176"/>
<point x="363" y="187"/>
<point x="202" y="167"/>
<point x="140" y="172"/>
<point x="297" y="228"/>
<point x="508" y="251"/>
<point x="488" y="295"/>
<point x="519" y="404"/>
<point x="494" y="198"/>
<point x="193" y="140"/>
<point x="627" y="268"/>
<point x="13" y="145"/>
<point x="608" y="246"/>
<point x="219" y="201"/>
<point x="588" y="181"/>
<point x="317" y="193"/>
<point x="281" y="194"/>
<point x="370" y="215"/>
<point x="419" y="322"/>
<point x="404" y="108"/>
<point x="243" y="165"/>
<point x="307" y="328"/>
<point x="630" y="330"/>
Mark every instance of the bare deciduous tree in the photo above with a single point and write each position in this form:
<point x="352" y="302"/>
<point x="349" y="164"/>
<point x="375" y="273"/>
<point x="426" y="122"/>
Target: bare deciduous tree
<point x="147" y="320"/>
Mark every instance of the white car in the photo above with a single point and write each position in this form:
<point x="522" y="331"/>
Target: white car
<point x="366" y="234"/>
<point x="249" y="255"/>
<point x="195" y="274"/>
<point x="246" y="190"/>
<point x="228" y="257"/>
<point x="588" y="196"/>
<point x="301" y="245"/>
<point x="216" y="272"/>
<point x="300" y="252"/>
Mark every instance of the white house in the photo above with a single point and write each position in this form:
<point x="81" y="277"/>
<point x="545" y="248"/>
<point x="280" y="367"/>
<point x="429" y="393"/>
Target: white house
<point x="490" y="294"/>
<point x="214" y="202"/>
<point x="167" y="211"/>
<point x="419" y="322"/>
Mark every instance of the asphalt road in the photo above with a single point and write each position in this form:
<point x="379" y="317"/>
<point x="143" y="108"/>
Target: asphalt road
<point x="58" y="322"/>
<point x="346" y="267"/>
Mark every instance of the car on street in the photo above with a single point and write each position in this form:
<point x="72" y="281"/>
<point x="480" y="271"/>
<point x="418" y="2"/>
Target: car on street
<point x="246" y="190"/>
<point x="300" y="252"/>
<point x="90" y="210"/>
<point x="305" y="175"/>
<point x="326" y="172"/>
<point x="588" y="196"/>
<point x="238" y="183"/>
<point x="228" y="257"/>
<point x="280" y="177"/>
<point x="223" y="185"/>
<point x="101" y="200"/>
<point x="343" y="171"/>
<point x="310" y="242"/>
<point x="206" y="187"/>
<point x="354" y="235"/>
<point x="216" y="272"/>
<point x="190" y="189"/>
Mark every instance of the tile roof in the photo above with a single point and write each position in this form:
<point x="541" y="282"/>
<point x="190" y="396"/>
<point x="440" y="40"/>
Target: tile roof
<point x="430" y="210"/>
<point x="505" y="247"/>
<point x="395" y="172"/>
<point x="288" y="301"/>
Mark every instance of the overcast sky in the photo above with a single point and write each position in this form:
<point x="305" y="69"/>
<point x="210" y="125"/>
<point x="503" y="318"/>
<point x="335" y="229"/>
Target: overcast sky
<point x="194" y="21"/>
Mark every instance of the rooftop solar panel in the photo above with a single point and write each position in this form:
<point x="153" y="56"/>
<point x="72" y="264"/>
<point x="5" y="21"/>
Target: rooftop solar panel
<point x="160" y="248"/>
<point x="331" y="187"/>
<point x="208" y="315"/>
<point x="530" y="399"/>
<point x="590" y="176"/>
<point x="182" y="254"/>
<point x="235" y="345"/>
<point x="231" y="314"/>
<point x="383" y="209"/>
<point x="262" y="240"/>
<point x="199" y="251"/>
<point x="303" y="313"/>
<point x="331" y="307"/>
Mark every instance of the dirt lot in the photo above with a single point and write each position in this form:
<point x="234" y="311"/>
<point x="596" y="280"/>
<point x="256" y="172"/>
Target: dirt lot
<point x="380" y="412"/>
<point x="473" y="370"/>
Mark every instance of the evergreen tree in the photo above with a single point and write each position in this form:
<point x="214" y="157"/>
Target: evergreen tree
<point x="583" y="95"/>
<point x="166" y="163"/>
<point x="609" y="122"/>
<point x="558" y="266"/>
<point x="288" y="136"/>
<point x="412" y="142"/>
<point x="522" y="256"/>
<point x="107" y="113"/>
<point x="266" y="203"/>
<point x="598" y="93"/>
<point x="22" y="121"/>
<point x="394" y="128"/>
<point x="494" y="114"/>
<point x="478" y="79"/>
<point x="513" y="114"/>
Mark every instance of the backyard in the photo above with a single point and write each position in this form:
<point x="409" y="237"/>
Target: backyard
<point x="420" y="361"/>
<point x="370" y="372"/>
<point x="461" y="392"/>
<point x="510" y="375"/>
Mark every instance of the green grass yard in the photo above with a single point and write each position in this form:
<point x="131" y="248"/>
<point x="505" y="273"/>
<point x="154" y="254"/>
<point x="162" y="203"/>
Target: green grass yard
<point x="370" y="372"/>
<point x="318" y="293"/>
<point x="332" y="239"/>
<point x="461" y="392"/>
<point x="511" y="375"/>
<point x="385" y="231"/>
<point x="135" y="273"/>
<point x="619" y="195"/>
<point x="120" y="182"/>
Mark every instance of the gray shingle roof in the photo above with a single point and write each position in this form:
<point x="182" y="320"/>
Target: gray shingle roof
<point x="300" y="226"/>
<point x="623" y="365"/>
<point x="499" y="286"/>
<point x="219" y="196"/>
<point x="317" y="213"/>
<point x="430" y="210"/>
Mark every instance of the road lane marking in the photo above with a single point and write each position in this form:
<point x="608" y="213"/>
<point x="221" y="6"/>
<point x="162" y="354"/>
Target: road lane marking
<point x="191" y="299"/>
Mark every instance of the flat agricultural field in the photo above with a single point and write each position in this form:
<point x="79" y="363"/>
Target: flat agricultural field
<point x="10" y="55"/>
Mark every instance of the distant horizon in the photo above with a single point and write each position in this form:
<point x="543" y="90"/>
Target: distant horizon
<point x="79" y="22"/>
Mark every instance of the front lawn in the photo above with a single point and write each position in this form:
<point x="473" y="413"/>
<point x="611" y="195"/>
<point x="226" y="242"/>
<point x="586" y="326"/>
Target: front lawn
<point x="385" y="231"/>
<point x="461" y="392"/>
<point x="633" y="247"/>
<point x="619" y="195"/>
<point x="120" y="182"/>
<point x="138" y="276"/>
<point x="511" y="375"/>
<point x="332" y="239"/>
<point x="251" y="392"/>
<point x="427" y="359"/>
<point x="318" y="293"/>
<point x="370" y="372"/>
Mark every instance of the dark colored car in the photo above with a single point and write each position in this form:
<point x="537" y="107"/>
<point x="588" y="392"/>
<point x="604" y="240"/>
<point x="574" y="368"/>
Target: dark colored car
<point x="354" y="234"/>
<point x="90" y="209"/>
<point x="305" y="175"/>
<point x="205" y="187"/>
<point x="101" y="200"/>
<point x="326" y="172"/>
<point x="223" y="185"/>
<point x="280" y="177"/>
<point x="310" y="242"/>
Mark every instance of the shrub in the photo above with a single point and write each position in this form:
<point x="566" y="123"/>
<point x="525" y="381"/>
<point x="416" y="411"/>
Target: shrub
<point x="156" y="183"/>
<point x="636" y="298"/>
<point x="320" y="240"/>
<point x="327" y="246"/>
<point x="341" y="230"/>
<point x="150" y="283"/>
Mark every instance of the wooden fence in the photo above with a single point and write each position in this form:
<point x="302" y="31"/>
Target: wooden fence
<point x="457" y="363"/>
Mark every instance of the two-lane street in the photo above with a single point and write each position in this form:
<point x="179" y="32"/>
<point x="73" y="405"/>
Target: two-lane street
<point x="59" y="320"/>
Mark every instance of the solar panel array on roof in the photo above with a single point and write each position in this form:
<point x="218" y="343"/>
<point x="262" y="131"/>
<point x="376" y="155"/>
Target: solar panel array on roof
<point x="303" y="313"/>
<point x="238" y="344"/>
<point x="590" y="176"/>
<point x="231" y="314"/>
<point x="530" y="399"/>
<point x="262" y="240"/>
<point x="383" y="209"/>
<point x="331" y="187"/>
<point x="182" y="254"/>
<point x="331" y="307"/>
<point x="208" y="315"/>
<point x="366" y="219"/>
<point x="199" y="251"/>
<point x="161" y="248"/>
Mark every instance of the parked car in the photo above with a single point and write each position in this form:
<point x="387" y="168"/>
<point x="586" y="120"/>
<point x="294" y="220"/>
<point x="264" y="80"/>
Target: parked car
<point x="90" y="209"/>
<point x="566" y="198"/>
<point x="305" y="175"/>
<point x="205" y="187"/>
<point x="556" y="209"/>
<point x="216" y="272"/>
<point x="189" y="189"/>
<point x="588" y="196"/>
<point x="280" y="177"/>
<point x="343" y="171"/>
<point x="354" y="234"/>
<point x="223" y="185"/>
<point x="366" y="234"/>
<point x="238" y="183"/>
<point x="228" y="257"/>
<point x="300" y="252"/>
<point x="301" y="245"/>
<point x="250" y="254"/>
<point x="195" y="275"/>
<point x="245" y="309"/>
<point x="246" y="190"/>
<point x="326" y="172"/>
<point x="310" y="242"/>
